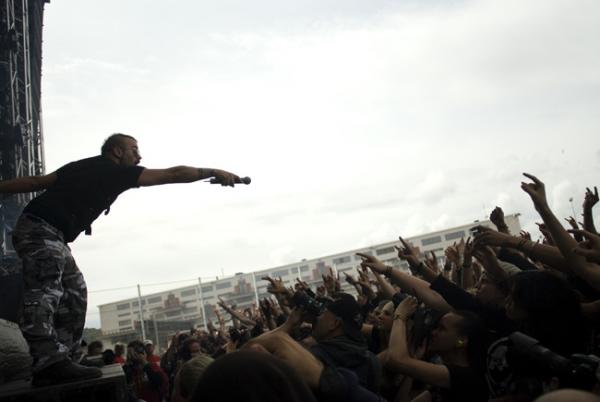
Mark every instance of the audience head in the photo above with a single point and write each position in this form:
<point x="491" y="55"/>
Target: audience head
<point x="149" y="346"/>
<point x="258" y="376"/>
<point x="119" y="349"/>
<point x="462" y="332"/>
<point x="190" y="348"/>
<point x="136" y="353"/>
<point x="341" y="316"/>
<point x="187" y="378"/>
<point x="385" y="318"/>
<point x="108" y="356"/>
<point x="95" y="348"/>
<point x="547" y="309"/>
<point x="491" y="292"/>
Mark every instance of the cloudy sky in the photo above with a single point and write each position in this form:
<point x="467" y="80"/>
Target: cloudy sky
<point x="357" y="121"/>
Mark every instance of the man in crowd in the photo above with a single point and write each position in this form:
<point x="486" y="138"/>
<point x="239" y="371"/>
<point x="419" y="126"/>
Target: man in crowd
<point x="340" y="342"/>
<point x="150" y="356"/>
<point x="55" y="295"/>
<point x="145" y="381"/>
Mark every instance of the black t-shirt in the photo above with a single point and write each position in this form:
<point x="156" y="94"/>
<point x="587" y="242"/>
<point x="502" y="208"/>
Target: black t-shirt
<point x="83" y="189"/>
<point x="466" y="385"/>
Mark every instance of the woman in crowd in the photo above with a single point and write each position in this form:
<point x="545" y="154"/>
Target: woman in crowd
<point x="458" y="340"/>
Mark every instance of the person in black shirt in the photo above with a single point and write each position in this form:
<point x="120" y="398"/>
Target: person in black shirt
<point x="55" y="295"/>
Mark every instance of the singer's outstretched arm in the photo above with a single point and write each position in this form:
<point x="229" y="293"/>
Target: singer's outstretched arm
<point x="185" y="174"/>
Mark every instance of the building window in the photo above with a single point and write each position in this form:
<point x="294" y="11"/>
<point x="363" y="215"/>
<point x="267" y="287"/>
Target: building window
<point x="386" y="250"/>
<point x="189" y="292"/>
<point x="124" y="322"/>
<point x="135" y="303"/>
<point x="124" y="314"/>
<point x="156" y="299"/>
<point x="222" y="285"/>
<point x="277" y="274"/>
<point x="190" y="310"/>
<point x="207" y="289"/>
<point x="431" y="240"/>
<point x="294" y="270"/>
<point x="342" y="260"/>
<point x="124" y="306"/>
<point x="172" y="313"/>
<point x="304" y="268"/>
<point x="455" y="235"/>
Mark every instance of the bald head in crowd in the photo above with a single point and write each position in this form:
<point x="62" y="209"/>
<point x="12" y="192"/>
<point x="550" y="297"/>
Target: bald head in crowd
<point x="568" y="395"/>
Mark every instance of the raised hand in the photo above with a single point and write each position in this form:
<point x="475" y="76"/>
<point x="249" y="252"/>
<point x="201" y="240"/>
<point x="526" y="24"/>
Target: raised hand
<point x="331" y="283"/>
<point x="452" y="254"/>
<point x="350" y="279"/>
<point x="406" y="308"/>
<point x="573" y="223"/>
<point x="265" y="307"/>
<point x="222" y="303"/>
<point x="546" y="233"/>
<point x="372" y="262"/>
<point x="276" y="286"/>
<point x="303" y="285"/>
<point x="432" y="262"/>
<point x="590" y="247"/>
<point x="591" y="198"/>
<point x="408" y="253"/>
<point x="525" y="235"/>
<point x="536" y="190"/>
<point x="497" y="218"/>
<point x="490" y="237"/>
<point x="468" y="252"/>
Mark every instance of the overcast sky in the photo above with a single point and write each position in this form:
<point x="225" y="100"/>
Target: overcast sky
<point x="357" y="121"/>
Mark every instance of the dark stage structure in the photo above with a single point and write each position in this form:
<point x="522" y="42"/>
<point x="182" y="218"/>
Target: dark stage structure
<point x="21" y="138"/>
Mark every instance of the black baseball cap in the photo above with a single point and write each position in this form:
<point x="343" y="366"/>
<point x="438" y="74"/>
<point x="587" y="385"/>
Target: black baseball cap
<point x="347" y="309"/>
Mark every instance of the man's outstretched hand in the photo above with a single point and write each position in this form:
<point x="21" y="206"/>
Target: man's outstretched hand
<point x="226" y="178"/>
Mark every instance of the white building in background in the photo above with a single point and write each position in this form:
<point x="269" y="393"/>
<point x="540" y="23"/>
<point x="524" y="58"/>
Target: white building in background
<point x="184" y="303"/>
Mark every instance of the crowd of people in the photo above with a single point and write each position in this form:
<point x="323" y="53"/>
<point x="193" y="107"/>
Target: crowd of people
<point x="503" y="318"/>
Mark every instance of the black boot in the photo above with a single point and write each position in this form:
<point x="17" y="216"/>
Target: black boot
<point x="62" y="372"/>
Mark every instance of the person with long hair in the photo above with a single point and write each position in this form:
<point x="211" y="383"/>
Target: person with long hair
<point x="458" y="340"/>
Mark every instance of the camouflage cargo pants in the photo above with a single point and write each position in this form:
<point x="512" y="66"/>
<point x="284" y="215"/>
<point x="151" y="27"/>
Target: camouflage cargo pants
<point x="55" y="295"/>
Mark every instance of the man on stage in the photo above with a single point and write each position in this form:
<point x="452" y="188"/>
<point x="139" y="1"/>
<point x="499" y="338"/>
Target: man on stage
<point x="55" y="294"/>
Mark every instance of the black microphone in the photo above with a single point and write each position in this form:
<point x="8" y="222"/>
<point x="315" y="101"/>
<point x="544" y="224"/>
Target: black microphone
<point x="241" y="180"/>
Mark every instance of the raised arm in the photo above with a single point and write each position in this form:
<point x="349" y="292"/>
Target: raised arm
<point x="236" y="314"/>
<point x="398" y="357"/>
<point x="27" y="184"/>
<point x="408" y="282"/>
<point x="591" y="198"/>
<point x="185" y="174"/>
<point x="497" y="218"/>
<point x="565" y="243"/>
<point x="544" y="253"/>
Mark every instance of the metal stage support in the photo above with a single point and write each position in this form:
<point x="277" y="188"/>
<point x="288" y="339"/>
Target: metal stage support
<point x="21" y="140"/>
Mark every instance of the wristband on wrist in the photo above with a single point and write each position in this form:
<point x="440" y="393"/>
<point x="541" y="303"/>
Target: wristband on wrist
<point x="400" y="317"/>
